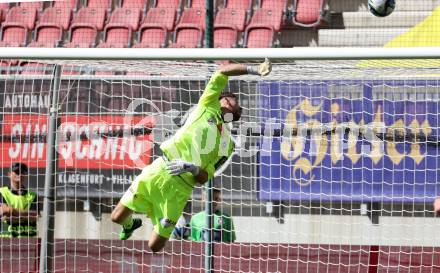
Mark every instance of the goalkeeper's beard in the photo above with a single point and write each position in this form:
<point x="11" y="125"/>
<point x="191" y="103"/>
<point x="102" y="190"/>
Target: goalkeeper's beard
<point x="229" y="116"/>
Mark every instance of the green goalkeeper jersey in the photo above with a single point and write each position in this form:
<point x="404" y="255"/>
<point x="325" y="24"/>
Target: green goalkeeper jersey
<point x="203" y="140"/>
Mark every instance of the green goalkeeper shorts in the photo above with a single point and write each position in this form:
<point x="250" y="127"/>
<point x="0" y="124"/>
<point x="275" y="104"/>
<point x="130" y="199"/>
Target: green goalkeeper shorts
<point x="158" y="194"/>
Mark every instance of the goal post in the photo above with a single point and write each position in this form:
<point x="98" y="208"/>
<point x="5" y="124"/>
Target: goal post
<point x="335" y="166"/>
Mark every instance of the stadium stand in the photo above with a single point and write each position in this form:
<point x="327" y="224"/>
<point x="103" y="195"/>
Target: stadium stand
<point x="268" y="17"/>
<point x="238" y="4"/>
<point x="308" y="13"/>
<point x="134" y="4"/>
<point x="85" y="27"/>
<point x="245" y="5"/>
<point x="38" y="5"/>
<point x="159" y="20"/>
<point x="49" y="31"/>
<point x="273" y="4"/>
<point x="100" y="4"/>
<point x="4" y="7"/>
<point x="175" y="4"/>
<point x="163" y="17"/>
<point x="15" y="30"/>
<point x="245" y="23"/>
<point x="162" y="23"/>
<point x="24" y="16"/>
<point x="235" y="18"/>
<point x="152" y="36"/>
<point x="196" y="4"/>
<point x="264" y="24"/>
<point x="13" y="35"/>
<point x="193" y="16"/>
<point x="118" y="32"/>
<point x="71" y="4"/>
<point x="189" y="31"/>
<point x="155" y="26"/>
<point x="258" y="36"/>
<point x="229" y="21"/>
<point x="188" y="36"/>
<point x="225" y="36"/>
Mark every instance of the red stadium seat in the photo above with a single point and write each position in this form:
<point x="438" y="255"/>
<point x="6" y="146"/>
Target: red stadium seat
<point x="90" y="16"/>
<point x="99" y="4"/>
<point x="85" y="27"/>
<point x="225" y="36"/>
<point x="189" y="30"/>
<point x="126" y="17"/>
<point x="70" y="4"/>
<point x="134" y="4"/>
<point x="164" y="17"/>
<point x="57" y="16"/>
<point x="4" y="7"/>
<point x="232" y="17"/>
<point x="259" y="36"/>
<point x="49" y="31"/>
<point x="47" y="35"/>
<point x="117" y="36"/>
<point x="17" y="25"/>
<point x="268" y="17"/>
<point x="239" y="4"/>
<point x="14" y="35"/>
<point x="194" y="17"/>
<point x="196" y="4"/>
<point x="308" y="13"/>
<point x="274" y="4"/>
<point x="82" y="35"/>
<point x="118" y="32"/>
<point x="23" y="16"/>
<point x="151" y="36"/>
<point x="38" y="5"/>
<point x="187" y="36"/>
<point x="175" y="4"/>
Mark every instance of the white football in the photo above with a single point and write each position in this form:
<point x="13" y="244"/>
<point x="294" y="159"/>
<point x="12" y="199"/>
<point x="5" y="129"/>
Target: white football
<point x="381" y="8"/>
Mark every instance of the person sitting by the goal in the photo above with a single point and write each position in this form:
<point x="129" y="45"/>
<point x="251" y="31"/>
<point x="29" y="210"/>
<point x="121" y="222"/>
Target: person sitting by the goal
<point x="223" y="228"/>
<point x="191" y="156"/>
<point x="18" y="205"/>
<point x="436" y="206"/>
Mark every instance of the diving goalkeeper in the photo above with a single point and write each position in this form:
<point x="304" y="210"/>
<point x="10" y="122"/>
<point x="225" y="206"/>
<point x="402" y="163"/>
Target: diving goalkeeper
<point x="191" y="156"/>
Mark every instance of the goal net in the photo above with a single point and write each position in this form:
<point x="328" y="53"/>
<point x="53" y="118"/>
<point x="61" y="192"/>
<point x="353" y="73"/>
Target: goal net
<point x="335" y="165"/>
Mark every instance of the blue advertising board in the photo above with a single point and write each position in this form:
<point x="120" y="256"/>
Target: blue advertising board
<point x="348" y="165"/>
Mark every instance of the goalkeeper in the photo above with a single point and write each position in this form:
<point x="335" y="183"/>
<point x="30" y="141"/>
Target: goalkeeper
<point x="191" y="156"/>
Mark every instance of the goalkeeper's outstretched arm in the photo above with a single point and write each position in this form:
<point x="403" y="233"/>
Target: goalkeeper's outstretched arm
<point x="211" y="94"/>
<point x="262" y="69"/>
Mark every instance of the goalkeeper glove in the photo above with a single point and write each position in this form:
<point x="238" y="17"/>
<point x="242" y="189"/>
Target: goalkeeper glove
<point x="262" y="69"/>
<point x="176" y="167"/>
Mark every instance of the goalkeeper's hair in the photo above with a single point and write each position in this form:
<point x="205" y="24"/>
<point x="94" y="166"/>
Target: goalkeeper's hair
<point x="228" y="95"/>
